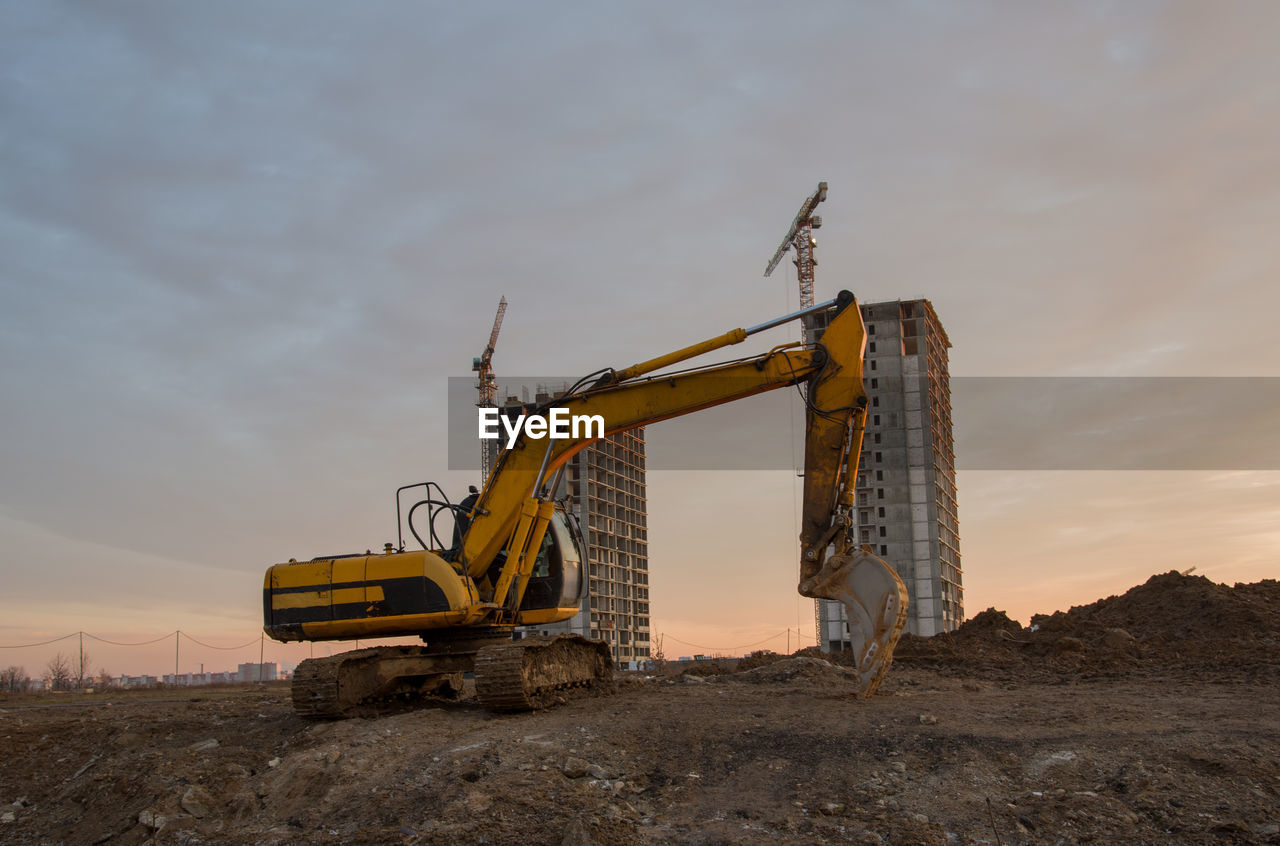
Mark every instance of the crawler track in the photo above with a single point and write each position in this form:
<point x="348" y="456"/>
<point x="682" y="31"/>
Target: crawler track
<point x="533" y="673"/>
<point x="334" y="686"/>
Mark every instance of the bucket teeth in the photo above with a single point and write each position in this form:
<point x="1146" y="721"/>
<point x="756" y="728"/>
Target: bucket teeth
<point x="875" y="600"/>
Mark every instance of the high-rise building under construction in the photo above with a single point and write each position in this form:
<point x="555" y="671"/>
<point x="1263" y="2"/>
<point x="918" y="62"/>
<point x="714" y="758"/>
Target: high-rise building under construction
<point x="906" y="487"/>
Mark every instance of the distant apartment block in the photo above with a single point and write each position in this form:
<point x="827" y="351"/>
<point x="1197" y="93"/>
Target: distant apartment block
<point x="197" y="679"/>
<point x="136" y="681"/>
<point x="604" y="487"/>
<point x="258" y="672"/>
<point x="906" y="486"/>
<point x="247" y="673"/>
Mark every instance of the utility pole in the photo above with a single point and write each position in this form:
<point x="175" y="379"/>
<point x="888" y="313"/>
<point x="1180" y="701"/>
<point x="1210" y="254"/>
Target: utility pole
<point x="487" y="385"/>
<point x="800" y="236"/>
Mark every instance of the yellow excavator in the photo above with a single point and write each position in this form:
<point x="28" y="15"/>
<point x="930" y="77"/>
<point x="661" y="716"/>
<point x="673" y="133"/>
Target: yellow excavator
<point x="517" y="558"/>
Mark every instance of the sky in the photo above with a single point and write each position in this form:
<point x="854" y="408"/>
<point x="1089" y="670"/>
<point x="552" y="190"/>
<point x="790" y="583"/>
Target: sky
<point x="243" y="247"/>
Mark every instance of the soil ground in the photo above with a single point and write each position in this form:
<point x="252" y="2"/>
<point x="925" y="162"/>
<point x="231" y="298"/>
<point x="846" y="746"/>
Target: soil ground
<point x="1147" y="718"/>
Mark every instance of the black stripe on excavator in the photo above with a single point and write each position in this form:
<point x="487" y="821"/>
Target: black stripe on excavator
<point x="414" y="595"/>
<point x="331" y="586"/>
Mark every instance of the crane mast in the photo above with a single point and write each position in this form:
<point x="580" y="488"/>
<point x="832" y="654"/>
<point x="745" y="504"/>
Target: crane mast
<point x="800" y="236"/>
<point x="487" y="385"/>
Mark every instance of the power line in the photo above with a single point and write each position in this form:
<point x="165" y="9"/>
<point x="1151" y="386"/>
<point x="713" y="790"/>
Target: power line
<point x="211" y="646"/>
<point x="123" y="643"/>
<point x="726" y="648"/>
<point x="42" y="643"/>
<point x="139" y="643"/>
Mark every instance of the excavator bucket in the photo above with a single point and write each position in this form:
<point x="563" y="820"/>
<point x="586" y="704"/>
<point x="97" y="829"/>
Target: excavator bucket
<point x="875" y="600"/>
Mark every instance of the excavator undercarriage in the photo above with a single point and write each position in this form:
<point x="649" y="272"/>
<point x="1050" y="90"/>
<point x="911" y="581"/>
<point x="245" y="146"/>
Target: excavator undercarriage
<point x="510" y="675"/>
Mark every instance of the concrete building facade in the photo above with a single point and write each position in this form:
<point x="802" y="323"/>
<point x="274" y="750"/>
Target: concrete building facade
<point x="258" y="672"/>
<point x="906" y="486"/>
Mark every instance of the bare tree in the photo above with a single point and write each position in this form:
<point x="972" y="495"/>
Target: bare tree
<point x="658" y="659"/>
<point x="104" y="678"/>
<point x="12" y="678"/>
<point x="58" y="672"/>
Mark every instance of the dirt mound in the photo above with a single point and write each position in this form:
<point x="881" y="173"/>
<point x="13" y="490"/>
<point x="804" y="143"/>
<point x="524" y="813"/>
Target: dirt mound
<point x="1175" y="606"/>
<point x="989" y="622"/>
<point x="1171" y="622"/>
<point x="790" y="669"/>
<point x="759" y="658"/>
<point x="714" y="667"/>
<point x="843" y="659"/>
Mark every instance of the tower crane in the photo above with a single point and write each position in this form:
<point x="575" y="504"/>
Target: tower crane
<point x="487" y="385"/>
<point x="801" y="237"/>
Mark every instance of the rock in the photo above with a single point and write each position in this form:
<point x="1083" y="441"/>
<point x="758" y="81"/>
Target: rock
<point x="831" y="808"/>
<point x="1117" y="639"/>
<point x="196" y="801"/>
<point x="8" y="817"/>
<point x="1230" y="827"/>
<point x="597" y="772"/>
<point x="232" y="771"/>
<point x="274" y="762"/>
<point x="575" y="768"/>
<point x="577" y="835"/>
<point x="204" y="745"/>
<point x="920" y="818"/>
<point x="127" y="740"/>
<point x="21" y="802"/>
<point x="1266" y="829"/>
<point x="333" y="756"/>
<point x="898" y="767"/>
<point x="928" y="720"/>
<point x="1068" y="644"/>
<point x="152" y="820"/>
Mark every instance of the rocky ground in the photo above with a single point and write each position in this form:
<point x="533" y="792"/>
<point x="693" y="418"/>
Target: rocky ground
<point x="1147" y="718"/>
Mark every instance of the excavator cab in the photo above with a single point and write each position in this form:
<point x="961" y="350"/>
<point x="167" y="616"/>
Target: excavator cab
<point x="557" y="580"/>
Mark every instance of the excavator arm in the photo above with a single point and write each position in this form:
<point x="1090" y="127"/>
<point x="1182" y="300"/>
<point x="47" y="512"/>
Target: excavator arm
<point x="514" y="509"/>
